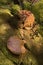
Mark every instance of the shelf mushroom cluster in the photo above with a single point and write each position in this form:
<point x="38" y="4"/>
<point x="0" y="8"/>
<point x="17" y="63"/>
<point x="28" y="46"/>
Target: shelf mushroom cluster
<point x="15" y="44"/>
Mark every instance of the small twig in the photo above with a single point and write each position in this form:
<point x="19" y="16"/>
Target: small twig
<point x="21" y="3"/>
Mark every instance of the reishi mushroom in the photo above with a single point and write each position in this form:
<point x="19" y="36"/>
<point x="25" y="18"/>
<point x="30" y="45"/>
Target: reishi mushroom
<point x="16" y="45"/>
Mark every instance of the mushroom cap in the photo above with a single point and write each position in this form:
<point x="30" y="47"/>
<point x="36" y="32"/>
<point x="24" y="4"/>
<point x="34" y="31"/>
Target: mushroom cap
<point x="29" y="17"/>
<point x="16" y="45"/>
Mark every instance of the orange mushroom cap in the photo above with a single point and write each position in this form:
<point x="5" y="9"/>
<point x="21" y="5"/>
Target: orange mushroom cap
<point x="29" y="17"/>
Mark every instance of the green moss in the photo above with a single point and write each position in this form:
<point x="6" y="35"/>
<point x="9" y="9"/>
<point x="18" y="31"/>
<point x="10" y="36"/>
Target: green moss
<point x="15" y="9"/>
<point x="4" y="60"/>
<point x="29" y="59"/>
<point x="27" y="5"/>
